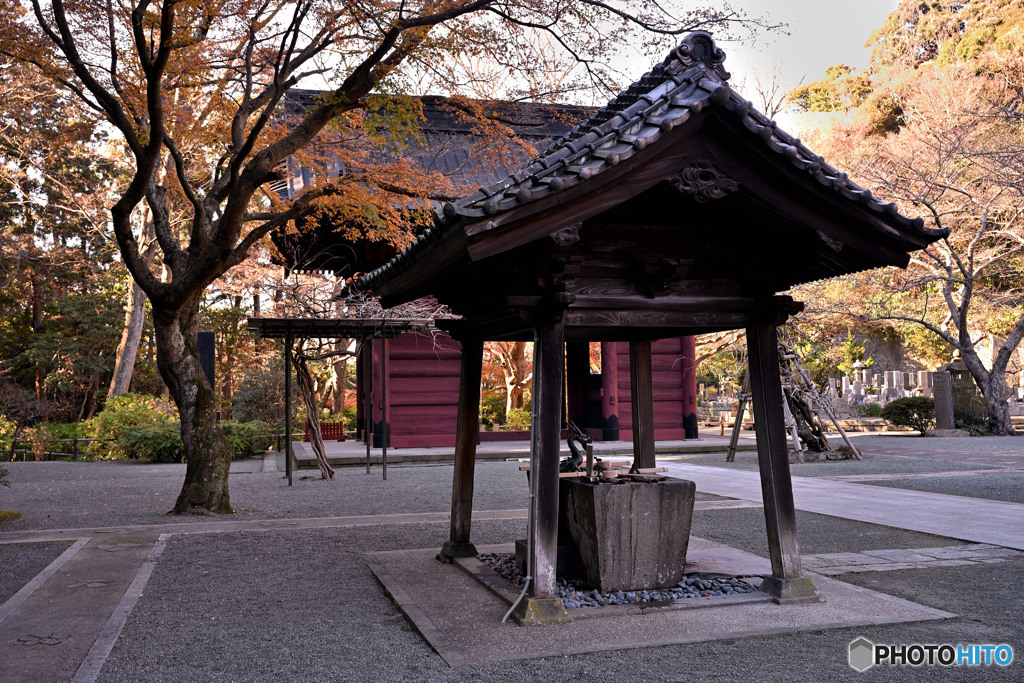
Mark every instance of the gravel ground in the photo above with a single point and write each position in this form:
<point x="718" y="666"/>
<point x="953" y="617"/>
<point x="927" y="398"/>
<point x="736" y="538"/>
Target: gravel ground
<point x="298" y="605"/>
<point x="19" y="562"/>
<point x="1008" y="487"/>
<point x="117" y="494"/>
<point x="218" y="608"/>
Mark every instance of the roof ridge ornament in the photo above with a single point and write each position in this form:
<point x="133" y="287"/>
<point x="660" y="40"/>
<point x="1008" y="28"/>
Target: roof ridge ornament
<point x="697" y="47"/>
<point x="703" y="181"/>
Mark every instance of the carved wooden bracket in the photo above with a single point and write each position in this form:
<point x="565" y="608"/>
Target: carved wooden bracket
<point x="702" y="181"/>
<point x="570" y="234"/>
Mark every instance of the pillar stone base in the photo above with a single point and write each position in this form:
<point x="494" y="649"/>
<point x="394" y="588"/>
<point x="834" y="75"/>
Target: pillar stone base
<point x="450" y="550"/>
<point x="531" y="611"/>
<point x="796" y="591"/>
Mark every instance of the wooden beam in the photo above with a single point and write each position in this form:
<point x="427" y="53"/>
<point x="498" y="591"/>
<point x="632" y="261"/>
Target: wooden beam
<point x="642" y="388"/>
<point x="625" y="318"/>
<point x="548" y="368"/>
<point x="466" y="435"/>
<point x="786" y="583"/>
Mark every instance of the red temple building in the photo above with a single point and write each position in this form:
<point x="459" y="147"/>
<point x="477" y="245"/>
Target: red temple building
<point x="422" y="391"/>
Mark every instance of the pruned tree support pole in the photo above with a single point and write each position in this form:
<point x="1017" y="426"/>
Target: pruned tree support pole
<point x="786" y="584"/>
<point x="458" y="544"/>
<point x="542" y="604"/>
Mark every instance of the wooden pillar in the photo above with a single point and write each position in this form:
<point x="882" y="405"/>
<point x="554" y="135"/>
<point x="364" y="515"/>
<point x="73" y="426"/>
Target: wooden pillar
<point x="367" y="397"/>
<point x="577" y="371"/>
<point x="610" y="391"/>
<point x="642" y="391"/>
<point x="542" y="604"/>
<point x="688" y="348"/>
<point x="288" y="407"/>
<point x="786" y="583"/>
<point x="384" y="405"/>
<point x="380" y="429"/>
<point x="459" y="544"/>
<point x="360" y="416"/>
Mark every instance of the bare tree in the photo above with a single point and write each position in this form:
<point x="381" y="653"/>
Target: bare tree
<point x="202" y="84"/>
<point x="958" y="158"/>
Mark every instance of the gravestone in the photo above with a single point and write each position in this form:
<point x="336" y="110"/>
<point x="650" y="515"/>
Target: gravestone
<point x="943" y="389"/>
<point x="926" y="383"/>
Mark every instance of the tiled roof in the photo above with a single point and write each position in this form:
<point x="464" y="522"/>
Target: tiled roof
<point x="450" y="142"/>
<point x="688" y="81"/>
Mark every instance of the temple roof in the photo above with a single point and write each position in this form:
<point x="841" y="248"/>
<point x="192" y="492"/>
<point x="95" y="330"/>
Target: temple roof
<point x="449" y="141"/>
<point x="682" y="125"/>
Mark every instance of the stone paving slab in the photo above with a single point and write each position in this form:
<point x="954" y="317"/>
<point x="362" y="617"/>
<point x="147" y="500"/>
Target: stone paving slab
<point x="49" y="633"/>
<point x="469" y="630"/>
<point x="834" y="564"/>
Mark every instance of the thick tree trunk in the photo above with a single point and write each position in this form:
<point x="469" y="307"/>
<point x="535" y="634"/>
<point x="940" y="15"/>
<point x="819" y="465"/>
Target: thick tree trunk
<point x="992" y="384"/>
<point x="207" y="450"/>
<point x="124" y="365"/>
<point x="517" y="368"/>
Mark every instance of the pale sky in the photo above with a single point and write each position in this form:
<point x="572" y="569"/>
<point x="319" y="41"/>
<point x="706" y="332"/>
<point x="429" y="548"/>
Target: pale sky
<point x="822" y="33"/>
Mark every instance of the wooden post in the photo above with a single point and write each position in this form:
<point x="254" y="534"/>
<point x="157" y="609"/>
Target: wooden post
<point x="459" y="544"/>
<point x="288" y="407"/>
<point x="542" y="604"/>
<point x="610" y="391"/>
<point x="385" y="401"/>
<point x="786" y="584"/>
<point x="368" y="397"/>
<point x="642" y="388"/>
<point x="380" y="430"/>
<point x="688" y="346"/>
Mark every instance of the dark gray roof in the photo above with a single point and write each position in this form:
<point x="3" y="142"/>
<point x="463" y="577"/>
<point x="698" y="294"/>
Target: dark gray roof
<point x="689" y="80"/>
<point x="335" y="328"/>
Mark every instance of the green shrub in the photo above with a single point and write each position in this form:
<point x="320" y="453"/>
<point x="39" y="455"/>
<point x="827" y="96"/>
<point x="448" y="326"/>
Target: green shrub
<point x="157" y="442"/>
<point x="975" y="425"/>
<point x="3" y="477"/>
<point x="869" y="410"/>
<point x="916" y="412"/>
<point x="259" y="394"/>
<point x="66" y="430"/>
<point x="519" y="418"/>
<point x="7" y="429"/>
<point x="247" y="438"/>
<point x="122" y="413"/>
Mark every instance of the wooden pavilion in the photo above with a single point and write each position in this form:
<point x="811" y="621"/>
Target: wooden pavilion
<point x="677" y="209"/>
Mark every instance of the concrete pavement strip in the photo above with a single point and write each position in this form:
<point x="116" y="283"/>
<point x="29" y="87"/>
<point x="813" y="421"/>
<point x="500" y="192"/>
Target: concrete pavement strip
<point x="968" y="519"/>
